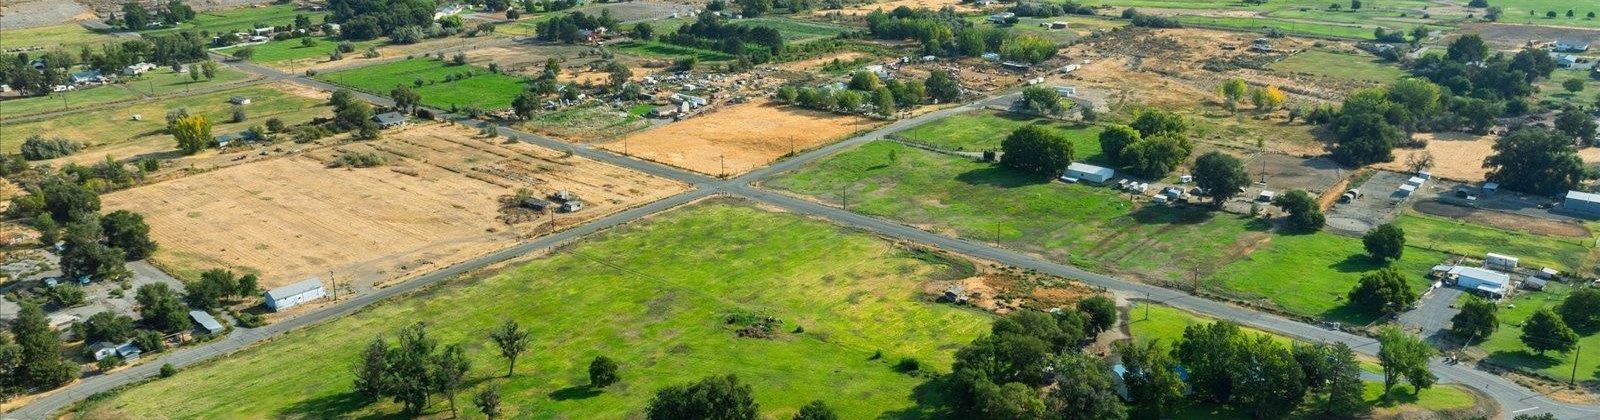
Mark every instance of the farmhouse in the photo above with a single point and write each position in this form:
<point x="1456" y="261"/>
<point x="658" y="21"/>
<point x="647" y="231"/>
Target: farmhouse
<point x="1567" y="45"/>
<point x="390" y="119"/>
<point x="295" y="294"/>
<point x="1487" y="281"/>
<point x="137" y="69"/>
<point x="86" y="77"/>
<point x="1582" y="202"/>
<point x="102" y="350"/>
<point x="206" y="321"/>
<point x="1566" y="61"/>
<point x="1087" y="173"/>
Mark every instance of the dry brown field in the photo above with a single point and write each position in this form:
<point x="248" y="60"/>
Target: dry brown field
<point x="440" y="198"/>
<point x="739" y="138"/>
<point x="960" y="6"/>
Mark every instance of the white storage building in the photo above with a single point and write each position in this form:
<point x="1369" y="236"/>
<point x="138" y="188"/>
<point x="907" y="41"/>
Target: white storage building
<point x="1488" y="281"/>
<point x="1582" y="202"/>
<point x="1087" y="173"/>
<point x="295" y="294"/>
<point x="1500" y="261"/>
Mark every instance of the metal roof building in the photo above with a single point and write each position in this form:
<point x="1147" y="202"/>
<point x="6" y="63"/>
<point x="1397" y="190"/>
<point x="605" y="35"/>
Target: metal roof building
<point x="206" y="321"/>
<point x="295" y="294"/>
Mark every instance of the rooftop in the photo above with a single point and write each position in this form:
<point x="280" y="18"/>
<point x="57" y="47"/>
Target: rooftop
<point x="1583" y="196"/>
<point x="303" y="286"/>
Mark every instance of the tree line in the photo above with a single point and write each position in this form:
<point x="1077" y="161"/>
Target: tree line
<point x="37" y="73"/>
<point x="945" y="33"/>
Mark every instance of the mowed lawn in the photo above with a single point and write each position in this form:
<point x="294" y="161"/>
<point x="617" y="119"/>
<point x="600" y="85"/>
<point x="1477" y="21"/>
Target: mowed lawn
<point x="160" y="81"/>
<point x="282" y="51"/>
<point x="1339" y="66"/>
<point x="243" y="19"/>
<point x="1092" y="227"/>
<point x="1167" y="323"/>
<point x="113" y="130"/>
<point x="986" y="130"/>
<point x="1505" y="346"/>
<point x="652" y="295"/>
<point x="1310" y="274"/>
<point x="791" y="29"/>
<point x="483" y="89"/>
<point x="1474" y="240"/>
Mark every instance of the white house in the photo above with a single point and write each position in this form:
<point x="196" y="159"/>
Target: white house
<point x="1087" y="173"/>
<point x="295" y="294"/>
<point x="137" y="69"/>
<point x="102" y="350"/>
<point x="1488" y="281"/>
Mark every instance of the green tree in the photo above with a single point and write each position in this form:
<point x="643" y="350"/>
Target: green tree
<point x="449" y="373"/>
<point x="1274" y="385"/>
<point x="1304" y="213"/>
<point x="1576" y="123"/>
<point x="865" y="81"/>
<point x="127" y="231"/>
<point x="107" y="327"/>
<point x="602" y="372"/>
<point x="512" y="341"/>
<point x="1155" y="156"/>
<point x="1117" y="137"/>
<point x="488" y="401"/>
<point x="1212" y="353"/>
<point x="1403" y="355"/>
<point x="1384" y="291"/>
<point x="39" y="362"/>
<point x="1476" y="321"/>
<point x="405" y="99"/>
<point x="1084" y="390"/>
<point x="135" y="16"/>
<point x="1341" y="381"/>
<point x="1467" y="49"/>
<point x="1014" y="400"/>
<point x="1535" y="160"/>
<point x="408" y="376"/>
<point x="1042" y="100"/>
<point x="193" y="133"/>
<point x="644" y="31"/>
<point x="160" y="308"/>
<point x="1544" y="331"/>
<point x="1028" y="49"/>
<point x="1581" y="309"/>
<point x="1151" y="379"/>
<point x="715" y="397"/>
<point x="1221" y="175"/>
<point x="883" y="99"/>
<point x="525" y="104"/>
<point x="371" y="369"/>
<point x="1232" y="91"/>
<point x="67" y="201"/>
<point x="1385" y="242"/>
<point x="1101" y="312"/>
<point x="942" y="87"/>
<point x="1152" y="122"/>
<point x="816" y="410"/>
<point x="1036" y="150"/>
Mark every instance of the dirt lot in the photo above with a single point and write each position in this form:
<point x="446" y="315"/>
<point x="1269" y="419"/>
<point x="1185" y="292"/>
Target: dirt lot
<point x="1456" y="156"/>
<point x="744" y="137"/>
<point x="438" y="200"/>
<point x="1529" y="224"/>
<point x="1507" y="36"/>
<point x="816" y="63"/>
<point x="960" y="6"/>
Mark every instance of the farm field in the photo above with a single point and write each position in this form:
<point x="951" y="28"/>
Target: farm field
<point x="1091" y="227"/>
<point x="1532" y="12"/>
<point x="160" y="81"/>
<point x="794" y="31"/>
<point x="113" y="131"/>
<point x="1167" y="323"/>
<point x="1474" y="240"/>
<point x="657" y="49"/>
<point x="1310" y="274"/>
<point x="985" y="130"/>
<point x="291" y="50"/>
<point x="726" y="142"/>
<point x="66" y="36"/>
<point x="659" y="314"/>
<point x="483" y="89"/>
<point x="243" y="19"/>
<point x="1340" y="65"/>
<point x="436" y="201"/>
<point x="584" y="123"/>
<point x="1505" y="346"/>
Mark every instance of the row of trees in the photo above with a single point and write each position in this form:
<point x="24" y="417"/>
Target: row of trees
<point x="367" y="19"/>
<point x="865" y="88"/>
<point x="37" y="73"/>
<point x="136" y="17"/>
<point x="946" y="33"/>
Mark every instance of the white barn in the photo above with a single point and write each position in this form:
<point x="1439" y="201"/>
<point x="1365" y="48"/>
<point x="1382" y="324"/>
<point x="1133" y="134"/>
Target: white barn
<point x="295" y="294"/>
<point x="1087" y="173"/>
<point x="1473" y="278"/>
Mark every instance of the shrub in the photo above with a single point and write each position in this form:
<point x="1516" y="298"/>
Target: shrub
<point x="358" y="160"/>
<point x="167" y="370"/>
<point x="39" y="148"/>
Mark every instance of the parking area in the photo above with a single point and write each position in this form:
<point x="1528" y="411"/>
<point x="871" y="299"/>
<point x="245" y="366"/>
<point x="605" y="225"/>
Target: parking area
<point x="1380" y="202"/>
<point x="115" y="297"/>
<point x="1433" y="312"/>
<point x="1476" y="196"/>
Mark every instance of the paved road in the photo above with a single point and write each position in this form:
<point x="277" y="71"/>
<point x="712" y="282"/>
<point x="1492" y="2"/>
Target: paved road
<point x="1512" y="398"/>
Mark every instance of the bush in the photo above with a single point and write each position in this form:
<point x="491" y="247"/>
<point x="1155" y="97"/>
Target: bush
<point x="274" y="125"/>
<point x="239" y="115"/>
<point x="167" y="370"/>
<point x="908" y="365"/>
<point x="358" y="160"/>
<point x="39" y="148"/>
<point x="346" y="47"/>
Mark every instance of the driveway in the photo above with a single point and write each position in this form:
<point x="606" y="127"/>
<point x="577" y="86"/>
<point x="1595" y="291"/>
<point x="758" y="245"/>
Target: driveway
<point x="1432" y="317"/>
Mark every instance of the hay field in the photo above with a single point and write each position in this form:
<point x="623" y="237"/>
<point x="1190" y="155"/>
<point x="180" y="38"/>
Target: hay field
<point x="861" y="10"/>
<point x="744" y="136"/>
<point x="436" y="201"/>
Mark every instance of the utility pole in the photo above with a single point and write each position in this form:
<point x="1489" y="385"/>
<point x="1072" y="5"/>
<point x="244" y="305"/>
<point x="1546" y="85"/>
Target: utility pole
<point x="335" y="282"/>
<point x="1572" y="380"/>
<point x="724" y="162"/>
<point x="1147" y="306"/>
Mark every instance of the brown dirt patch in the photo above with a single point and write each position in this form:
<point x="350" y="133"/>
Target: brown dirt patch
<point x="814" y="63"/>
<point x="1511" y="220"/>
<point x="864" y="9"/>
<point x="1456" y="156"/>
<point x="436" y="202"/>
<point x="1507" y="36"/>
<point x="744" y="136"/>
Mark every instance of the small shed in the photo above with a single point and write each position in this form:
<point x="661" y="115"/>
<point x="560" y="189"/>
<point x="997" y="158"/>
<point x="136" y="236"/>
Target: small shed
<point x="223" y="140"/>
<point x="128" y="351"/>
<point x="1416" y="181"/>
<point x="239" y="100"/>
<point x="1547" y="273"/>
<point x="390" y="119"/>
<point x="1490" y="187"/>
<point x="1266" y="196"/>
<point x="562" y="196"/>
<point x="206" y="321"/>
<point x="295" y="294"/>
<point x="102" y="350"/>
<point x="1533" y="283"/>
<point x="664" y="111"/>
<point x="1087" y="173"/>
<point x="1405" y="190"/>
<point x="570" y="206"/>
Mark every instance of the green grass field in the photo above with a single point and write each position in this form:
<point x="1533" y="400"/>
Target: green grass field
<point x="985" y="130"/>
<point x="1462" y="238"/>
<point x="1310" y="274"/>
<point x="1092" y="227"/>
<point x="161" y="81"/>
<point x="659" y="313"/>
<point x="1532" y="12"/>
<point x="113" y="131"/>
<point x="794" y="30"/>
<point x="243" y="19"/>
<point x="585" y="123"/>
<point x="1167" y="323"/>
<point x="1551" y="91"/>
<point x="1290" y="26"/>
<point x="486" y="90"/>
<point x="655" y="49"/>
<point x="292" y="50"/>
<point x="66" y="36"/>
<point x="1505" y="346"/>
<point x="1340" y="66"/>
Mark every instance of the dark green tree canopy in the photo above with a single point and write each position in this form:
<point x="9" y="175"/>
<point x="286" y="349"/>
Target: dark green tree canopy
<point x="1037" y="150"/>
<point x="1221" y="175"/>
<point x="1304" y="213"/>
<point x="1544" y="331"/>
<point x="1385" y="291"/>
<point x="1385" y="242"/>
<point x="1535" y="160"/>
<point x="716" y="397"/>
<point x="1476" y="321"/>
